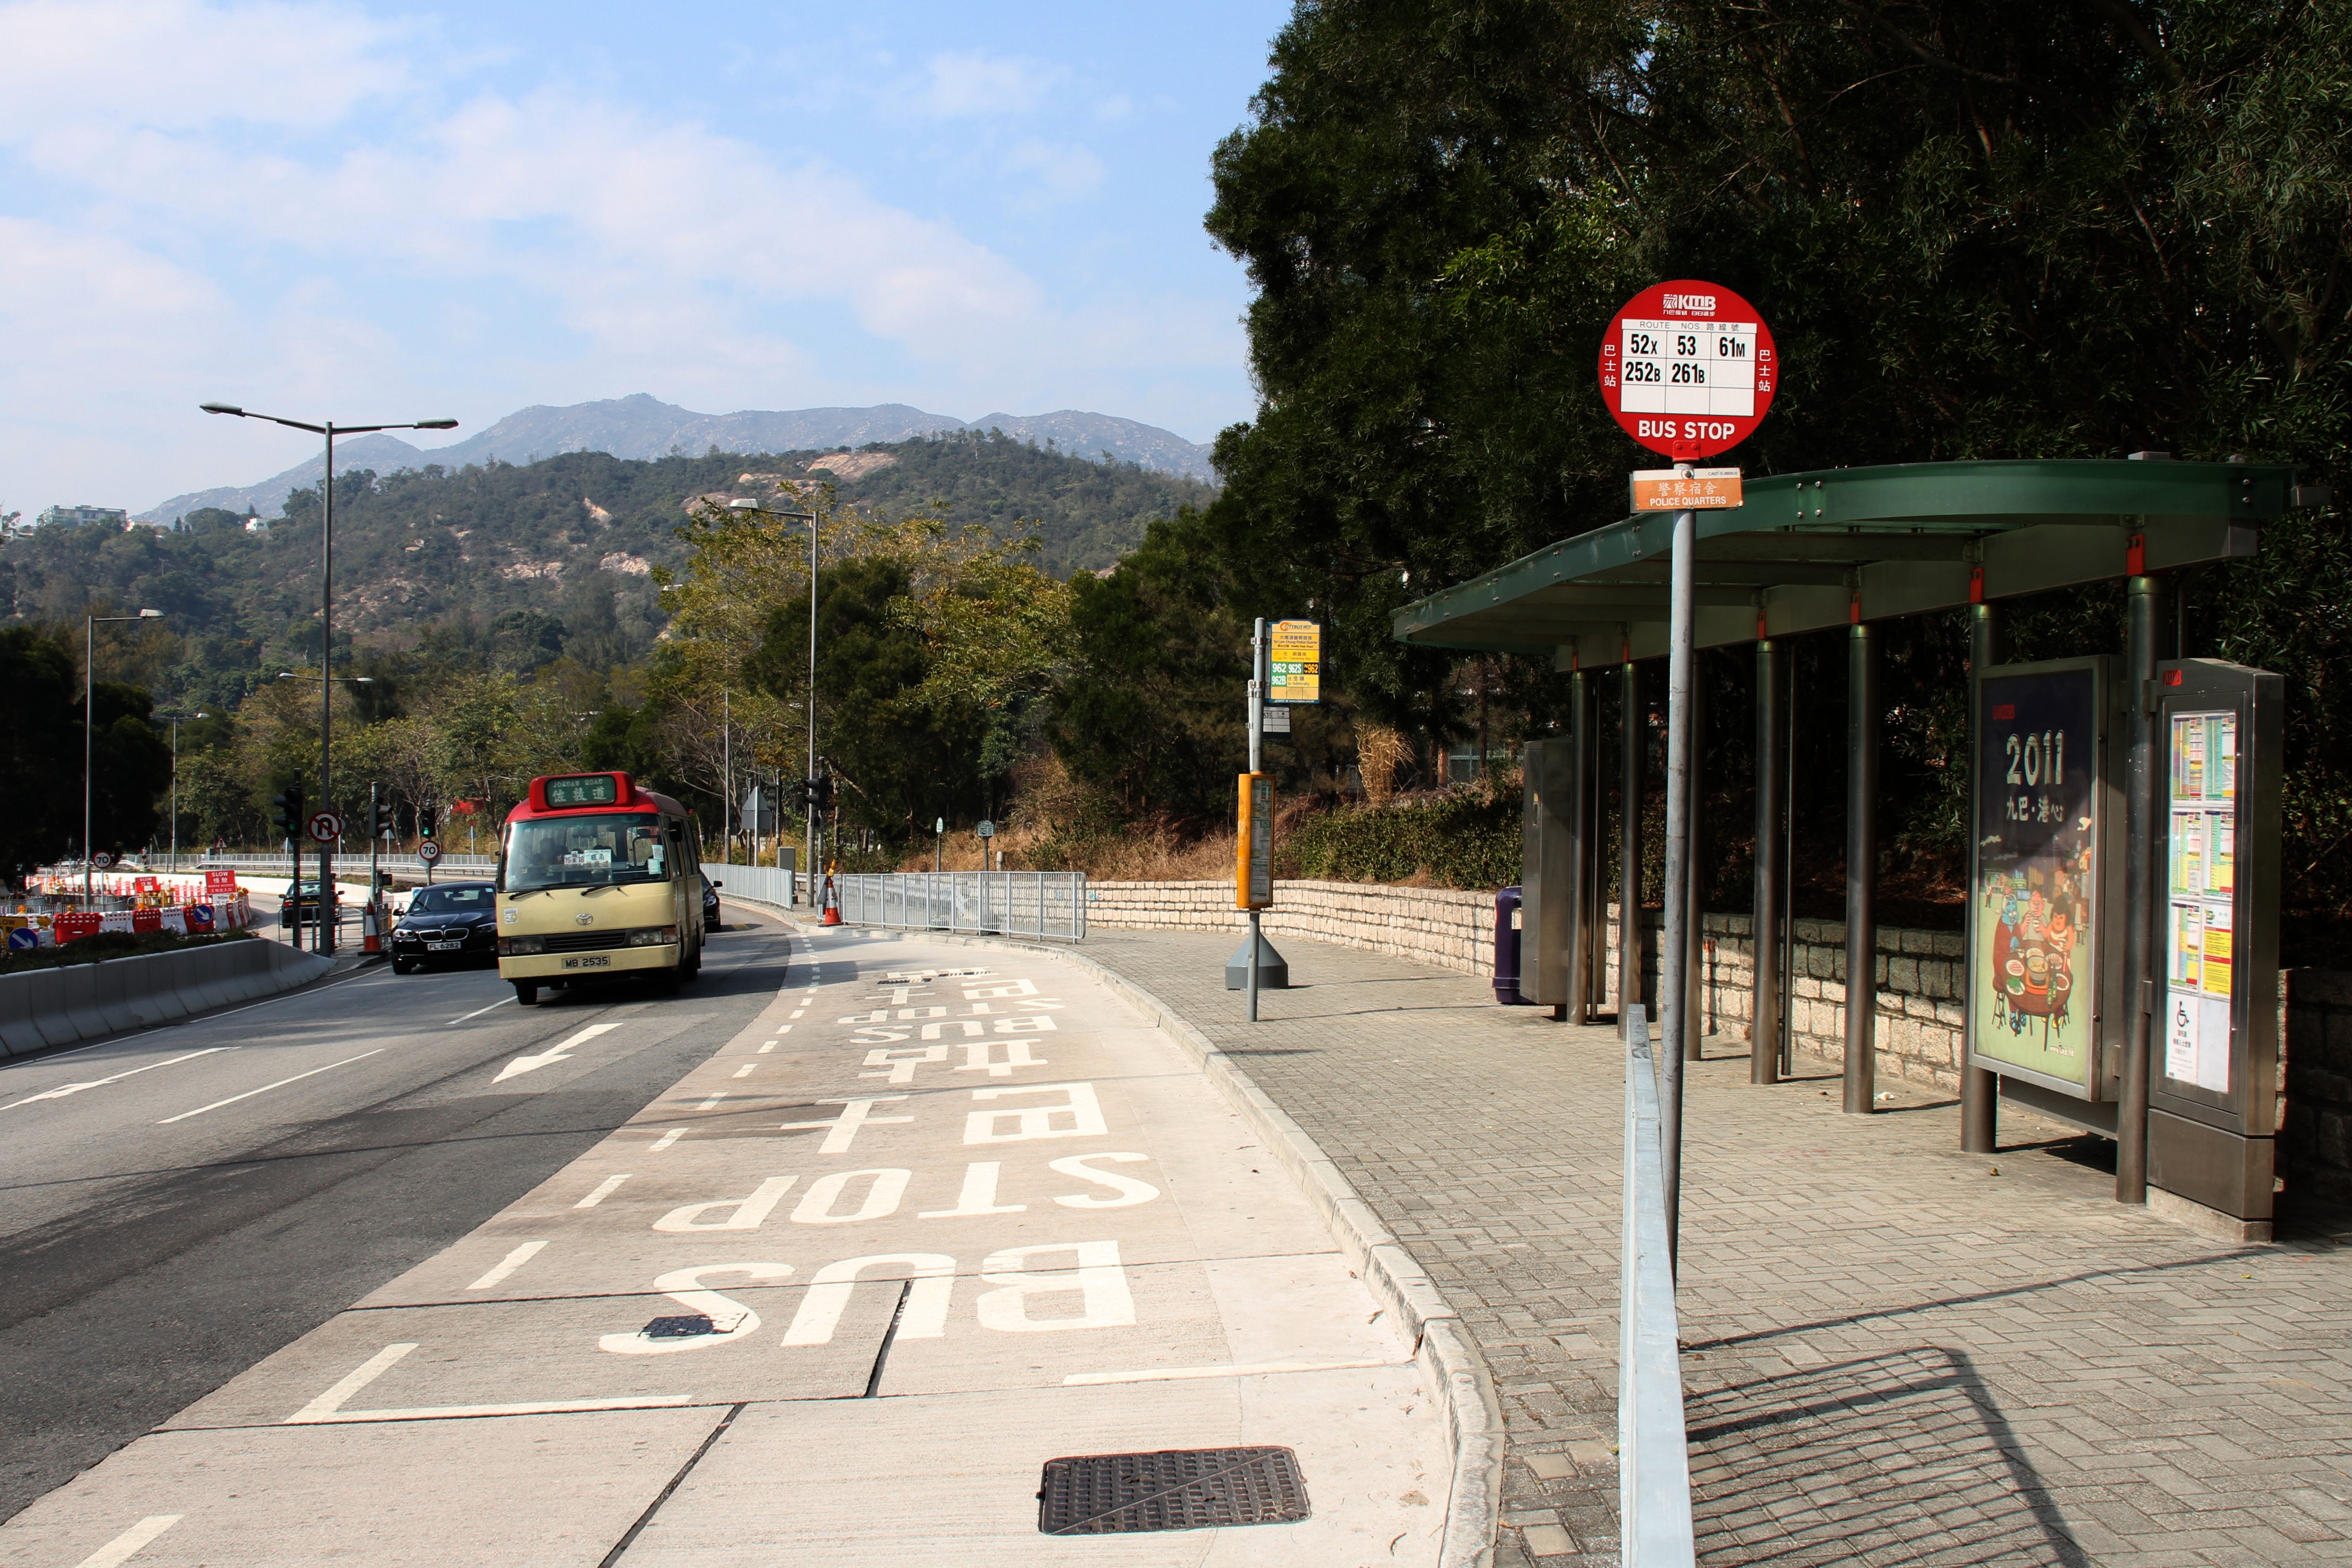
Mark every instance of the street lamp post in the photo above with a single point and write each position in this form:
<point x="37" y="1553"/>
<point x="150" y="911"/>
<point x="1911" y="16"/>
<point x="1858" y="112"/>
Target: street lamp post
<point x="176" y="719"/>
<point x="90" y="726"/>
<point x="809" y="518"/>
<point x="327" y="608"/>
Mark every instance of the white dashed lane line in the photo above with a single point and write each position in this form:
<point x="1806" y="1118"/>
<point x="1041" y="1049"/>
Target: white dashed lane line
<point x="266" y="1087"/>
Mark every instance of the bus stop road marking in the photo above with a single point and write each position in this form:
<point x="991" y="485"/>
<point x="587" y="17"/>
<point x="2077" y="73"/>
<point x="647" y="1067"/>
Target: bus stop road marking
<point x="1263" y="1369"/>
<point x="266" y="1087"/>
<point x="329" y="1406"/>
<point x="125" y="1546"/>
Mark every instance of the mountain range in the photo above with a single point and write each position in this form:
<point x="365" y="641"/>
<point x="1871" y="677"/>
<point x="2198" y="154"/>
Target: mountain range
<point x="642" y="427"/>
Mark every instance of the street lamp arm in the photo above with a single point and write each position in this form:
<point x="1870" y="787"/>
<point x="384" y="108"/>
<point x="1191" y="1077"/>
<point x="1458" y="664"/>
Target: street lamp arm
<point x="323" y="429"/>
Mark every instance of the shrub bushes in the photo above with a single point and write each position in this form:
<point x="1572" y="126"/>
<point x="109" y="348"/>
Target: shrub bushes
<point x="1466" y="837"/>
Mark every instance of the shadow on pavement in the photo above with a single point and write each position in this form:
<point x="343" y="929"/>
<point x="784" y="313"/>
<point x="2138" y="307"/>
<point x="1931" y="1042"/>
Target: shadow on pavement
<point x="1902" y="1458"/>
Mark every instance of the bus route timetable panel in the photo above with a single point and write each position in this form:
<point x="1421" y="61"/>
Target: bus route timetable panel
<point x="2202" y="799"/>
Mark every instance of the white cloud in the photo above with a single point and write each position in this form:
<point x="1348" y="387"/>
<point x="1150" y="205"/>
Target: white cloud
<point x="1062" y="174"/>
<point x="380" y="221"/>
<point x="953" y="86"/>
<point x="171" y="63"/>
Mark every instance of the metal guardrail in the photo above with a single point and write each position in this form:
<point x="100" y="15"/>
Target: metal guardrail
<point x="1653" y="1500"/>
<point x="999" y="904"/>
<point x="761" y="884"/>
<point x="348" y="862"/>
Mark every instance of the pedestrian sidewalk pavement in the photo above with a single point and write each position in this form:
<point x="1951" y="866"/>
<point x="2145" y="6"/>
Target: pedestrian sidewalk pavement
<point x="1894" y="1353"/>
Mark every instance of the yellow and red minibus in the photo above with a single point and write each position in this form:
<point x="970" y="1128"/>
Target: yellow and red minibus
<point x="598" y="879"/>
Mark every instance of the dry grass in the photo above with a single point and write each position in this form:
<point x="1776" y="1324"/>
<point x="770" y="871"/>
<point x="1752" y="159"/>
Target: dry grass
<point x="1142" y="853"/>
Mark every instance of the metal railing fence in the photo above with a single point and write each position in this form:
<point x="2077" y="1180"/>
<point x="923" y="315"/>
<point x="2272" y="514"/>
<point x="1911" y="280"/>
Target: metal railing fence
<point x="1000" y="903"/>
<point x="1654" y="1488"/>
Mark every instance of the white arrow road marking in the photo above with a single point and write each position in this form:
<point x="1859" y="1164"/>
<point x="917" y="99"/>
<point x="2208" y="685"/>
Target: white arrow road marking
<point x="521" y="1065"/>
<point x="66" y="1088"/>
<point x="125" y="1546"/>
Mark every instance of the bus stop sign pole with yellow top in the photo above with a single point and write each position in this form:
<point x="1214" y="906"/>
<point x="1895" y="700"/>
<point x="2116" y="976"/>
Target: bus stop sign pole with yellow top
<point x="1286" y="671"/>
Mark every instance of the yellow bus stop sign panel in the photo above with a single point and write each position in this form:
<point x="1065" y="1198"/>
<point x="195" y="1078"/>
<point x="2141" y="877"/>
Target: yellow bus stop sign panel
<point x="1296" y="657"/>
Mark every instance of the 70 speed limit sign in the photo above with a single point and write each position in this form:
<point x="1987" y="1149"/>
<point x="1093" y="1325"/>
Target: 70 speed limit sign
<point x="1688" y="368"/>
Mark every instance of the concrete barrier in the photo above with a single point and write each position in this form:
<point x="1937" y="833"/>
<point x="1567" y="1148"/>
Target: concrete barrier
<point x="48" y="1007"/>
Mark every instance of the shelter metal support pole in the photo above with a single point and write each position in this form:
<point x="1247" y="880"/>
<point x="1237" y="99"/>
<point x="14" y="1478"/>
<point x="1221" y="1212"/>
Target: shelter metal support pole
<point x="1772" y="867"/>
<point x="1577" y="984"/>
<point x="1632" y="744"/>
<point x="1980" y="1090"/>
<point x="2143" y="613"/>
<point x="1861" y="869"/>
<point x="1694" y="864"/>
<point x="1674" y="944"/>
<point x="1596" y="861"/>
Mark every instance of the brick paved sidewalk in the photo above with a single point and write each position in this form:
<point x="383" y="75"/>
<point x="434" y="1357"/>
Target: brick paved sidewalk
<point x="1894" y="1355"/>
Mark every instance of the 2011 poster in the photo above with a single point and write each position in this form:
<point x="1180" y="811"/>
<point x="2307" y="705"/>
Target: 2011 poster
<point x="2033" y="910"/>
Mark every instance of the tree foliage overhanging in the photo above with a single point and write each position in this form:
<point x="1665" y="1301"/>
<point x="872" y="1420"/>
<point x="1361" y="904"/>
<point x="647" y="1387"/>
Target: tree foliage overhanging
<point x="1994" y="230"/>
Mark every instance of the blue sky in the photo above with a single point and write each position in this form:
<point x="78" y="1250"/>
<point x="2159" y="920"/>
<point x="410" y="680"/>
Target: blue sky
<point x="373" y="212"/>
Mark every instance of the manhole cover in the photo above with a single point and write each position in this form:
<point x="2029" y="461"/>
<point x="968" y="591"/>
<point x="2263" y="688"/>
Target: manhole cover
<point x="1175" y="1488"/>
<point x="678" y="1327"/>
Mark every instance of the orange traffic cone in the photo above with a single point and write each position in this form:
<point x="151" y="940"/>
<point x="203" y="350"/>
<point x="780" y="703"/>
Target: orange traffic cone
<point x="371" y="935"/>
<point x="831" y="903"/>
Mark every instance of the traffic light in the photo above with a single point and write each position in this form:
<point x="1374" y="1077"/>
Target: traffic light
<point x="288" y="803"/>
<point x="382" y="827"/>
<point x="423" y="822"/>
<point x="821" y="794"/>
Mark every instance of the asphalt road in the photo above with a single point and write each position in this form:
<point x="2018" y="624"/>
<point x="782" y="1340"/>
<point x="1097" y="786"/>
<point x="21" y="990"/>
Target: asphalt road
<point x="178" y="1203"/>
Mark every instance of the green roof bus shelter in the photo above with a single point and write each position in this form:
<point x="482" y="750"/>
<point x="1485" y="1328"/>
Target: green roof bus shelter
<point x="1808" y="553"/>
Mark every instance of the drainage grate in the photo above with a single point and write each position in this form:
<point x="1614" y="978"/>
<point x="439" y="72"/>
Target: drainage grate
<point x="1176" y="1488"/>
<point x="678" y="1327"/>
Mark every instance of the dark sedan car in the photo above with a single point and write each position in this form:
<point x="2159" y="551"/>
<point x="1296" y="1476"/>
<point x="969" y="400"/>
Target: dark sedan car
<point x="450" y="922"/>
<point x="300" y="906"/>
<point x="710" y="904"/>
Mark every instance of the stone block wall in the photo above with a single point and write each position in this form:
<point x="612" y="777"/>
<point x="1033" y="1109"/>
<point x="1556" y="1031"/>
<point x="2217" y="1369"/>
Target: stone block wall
<point x="1917" y="974"/>
<point x="1918" y="971"/>
<point x="1918" y="988"/>
<point x="1434" y="925"/>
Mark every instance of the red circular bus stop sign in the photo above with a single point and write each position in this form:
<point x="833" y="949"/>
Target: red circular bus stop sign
<point x="1688" y="368"/>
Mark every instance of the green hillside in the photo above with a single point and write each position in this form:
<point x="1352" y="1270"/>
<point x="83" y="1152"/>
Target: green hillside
<point x="507" y="566"/>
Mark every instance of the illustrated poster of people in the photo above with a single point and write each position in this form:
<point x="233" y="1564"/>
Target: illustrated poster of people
<point x="2034" y="911"/>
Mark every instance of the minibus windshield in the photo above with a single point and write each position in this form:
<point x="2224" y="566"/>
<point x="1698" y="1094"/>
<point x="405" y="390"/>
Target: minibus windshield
<point x="584" y="852"/>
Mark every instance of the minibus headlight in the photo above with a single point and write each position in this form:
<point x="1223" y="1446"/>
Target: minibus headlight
<point x="654" y="936"/>
<point x="521" y="946"/>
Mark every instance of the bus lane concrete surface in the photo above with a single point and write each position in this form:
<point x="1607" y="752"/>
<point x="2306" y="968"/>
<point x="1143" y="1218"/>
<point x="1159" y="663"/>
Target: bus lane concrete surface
<point x="939" y="1215"/>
